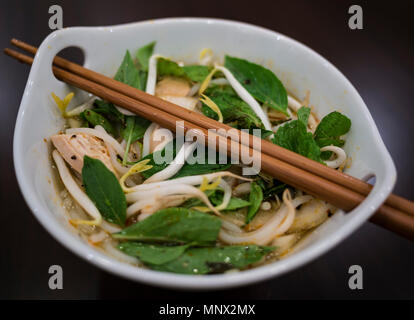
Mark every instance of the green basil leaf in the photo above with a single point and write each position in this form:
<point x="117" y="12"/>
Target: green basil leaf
<point x="144" y="54"/>
<point x="260" y="82"/>
<point x="128" y="73"/>
<point x="196" y="73"/>
<point x="95" y="119"/>
<point x="174" y="225"/>
<point x="103" y="188"/>
<point x="232" y="109"/>
<point x="109" y="110"/>
<point x="331" y="127"/>
<point x="215" y="259"/>
<point x="167" y="67"/>
<point x="216" y="198"/>
<point x="294" y="136"/>
<point x="235" y="203"/>
<point x="154" y="254"/>
<point x="303" y="115"/>
<point x="134" y="129"/>
<point x="275" y="190"/>
<point x="255" y="198"/>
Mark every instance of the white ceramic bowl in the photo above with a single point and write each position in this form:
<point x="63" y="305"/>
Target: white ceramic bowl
<point x="299" y="68"/>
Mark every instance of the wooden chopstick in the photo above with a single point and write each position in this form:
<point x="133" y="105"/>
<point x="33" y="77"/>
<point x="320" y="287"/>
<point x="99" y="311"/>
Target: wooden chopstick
<point x="267" y="147"/>
<point x="318" y="186"/>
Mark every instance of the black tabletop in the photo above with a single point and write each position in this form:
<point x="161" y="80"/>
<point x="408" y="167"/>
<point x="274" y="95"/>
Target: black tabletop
<point x="378" y="60"/>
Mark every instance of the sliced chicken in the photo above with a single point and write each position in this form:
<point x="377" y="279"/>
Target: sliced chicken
<point x="74" y="147"/>
<point x="172" y="86"/>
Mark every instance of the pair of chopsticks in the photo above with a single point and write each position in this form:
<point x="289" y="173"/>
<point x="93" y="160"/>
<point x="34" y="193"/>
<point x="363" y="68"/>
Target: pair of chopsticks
<point x="337" y="188"/>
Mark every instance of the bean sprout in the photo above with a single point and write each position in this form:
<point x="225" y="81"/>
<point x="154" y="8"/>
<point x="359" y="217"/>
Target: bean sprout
<point x="176" y="165"/>
<point x="340" y="156"/>
<point x="76" y="192"/>
<point x="179" y="189"/>
<point x="271" y="228"/>
<point x="246" y="97"/>
<point x="79" y="109"/>
<point x="152" y="74"/>
<point x="146" y="144"/>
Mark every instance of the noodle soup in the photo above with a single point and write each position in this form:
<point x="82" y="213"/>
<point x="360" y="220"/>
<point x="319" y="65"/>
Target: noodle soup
<point x="126" y="198"/>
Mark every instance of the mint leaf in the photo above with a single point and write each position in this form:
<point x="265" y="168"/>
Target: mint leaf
<point x="152" y="253"/>
<point x="144" y="54"/>
<point x="103" y="188"/>
<point x="303" y="115"/>
<point x="294" y="136"/>
<point x="255" y="198"/>
<point x="260" y="82"/>
<point x="331" y="128"/>
<point x="215" y="259"/>
<point x="194" y="73"/>
<point x="174" y="225"/>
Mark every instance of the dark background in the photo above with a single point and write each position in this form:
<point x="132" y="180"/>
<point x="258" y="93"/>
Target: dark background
<point x="378" y="60"/>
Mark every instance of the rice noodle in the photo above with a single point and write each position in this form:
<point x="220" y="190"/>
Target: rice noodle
<point x="178" y="189"/>
<point x="75" y="191"/>
<point x="220" y="81"/>
<point x="113" y="155"/>
<point x="114" y="160"/>
<point x="98" y="237"/>
<point x="176" y="165"/>
<point x="340" y="156"/>
<point x="124" y="111"/>
<point x="226" y="224"/>
<point x="272" y="228"/>
<point x="156" y="136"/>
<point x="242" y="189"/>
<point x="79" y="109"/>
<point x="194" y="90"/>
<point x="295" y="105"/>
<point x="190" y="180"/>
<point x="152" y="74"/>
<point x="146" y="144"/>
<point x="110" y="227"/>
<point x="226" y="197"/>
<point x="169" y="201"/>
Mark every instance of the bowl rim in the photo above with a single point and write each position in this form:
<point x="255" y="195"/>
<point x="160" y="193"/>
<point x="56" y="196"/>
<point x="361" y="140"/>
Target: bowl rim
<point x="179" y="281"/>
